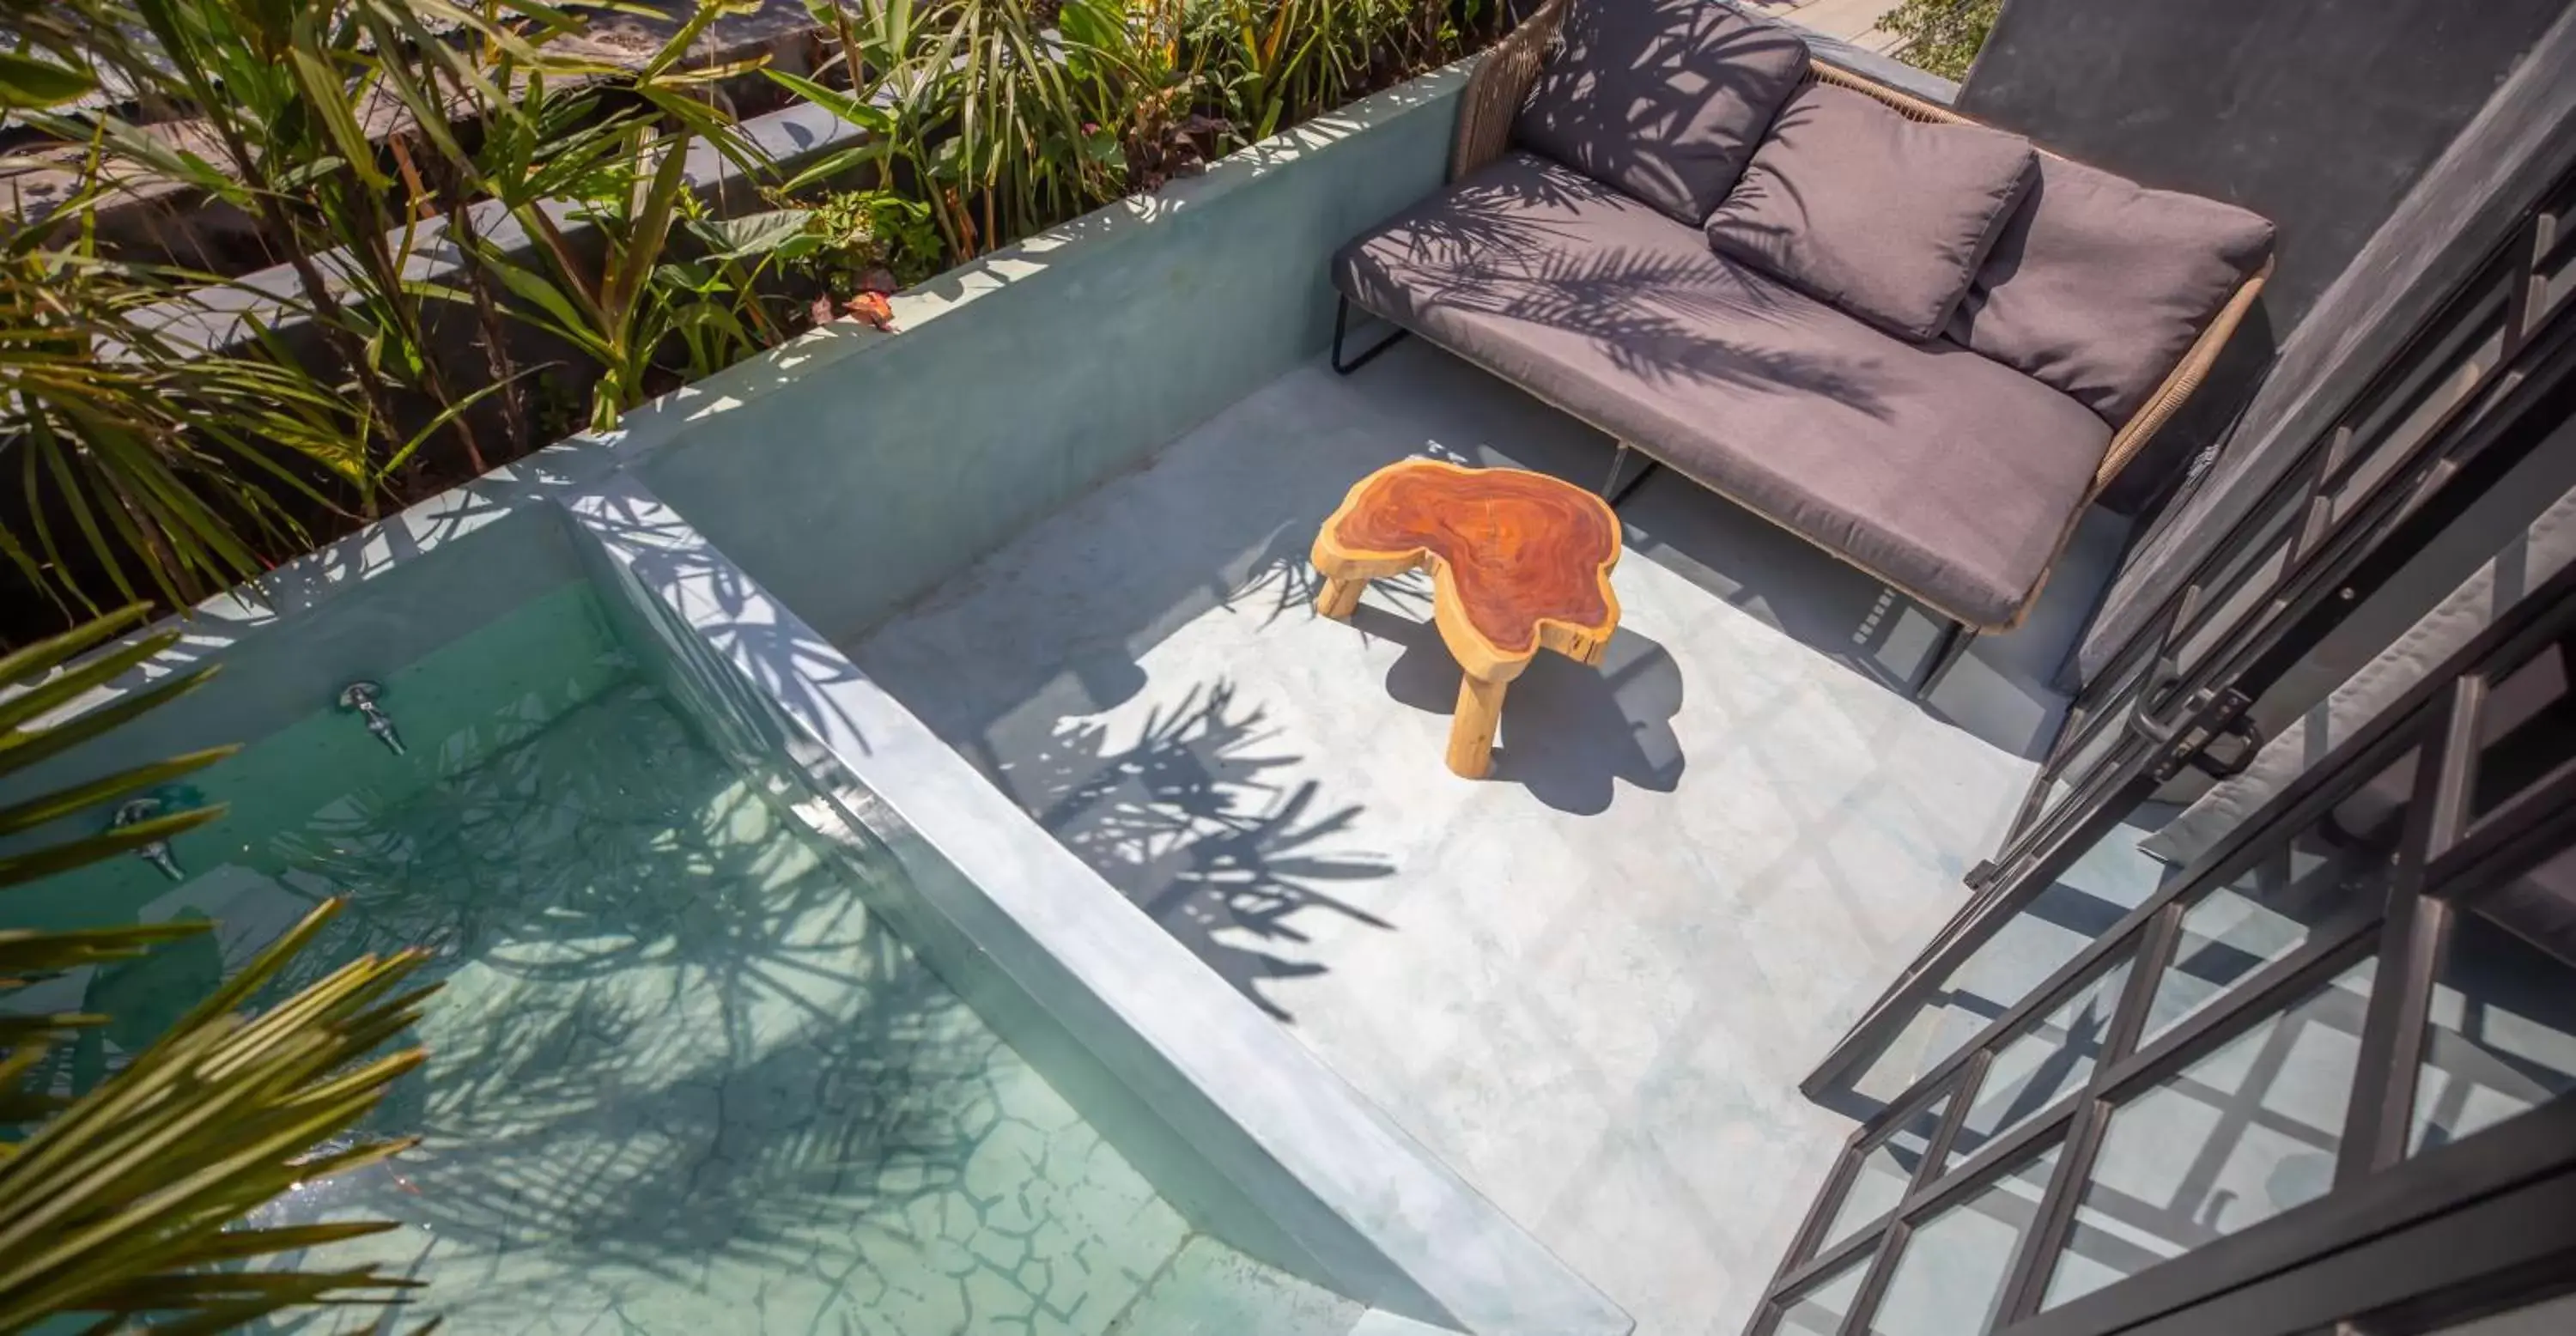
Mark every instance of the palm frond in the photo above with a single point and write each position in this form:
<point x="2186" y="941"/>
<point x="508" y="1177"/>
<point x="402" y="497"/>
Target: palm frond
<point x="125" y="1200"/>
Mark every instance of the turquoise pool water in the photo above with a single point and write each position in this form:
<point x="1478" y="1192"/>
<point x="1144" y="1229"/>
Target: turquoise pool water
<point x="683" y="1079"/>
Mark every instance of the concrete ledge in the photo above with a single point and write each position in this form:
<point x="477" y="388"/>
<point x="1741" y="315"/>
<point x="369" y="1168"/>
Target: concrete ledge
<point x="1315" y="1180"/>
<point x="851" y="470"/>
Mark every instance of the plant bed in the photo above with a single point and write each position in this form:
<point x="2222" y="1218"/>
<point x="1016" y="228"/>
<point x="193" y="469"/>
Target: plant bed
<point x="570" y="256"/>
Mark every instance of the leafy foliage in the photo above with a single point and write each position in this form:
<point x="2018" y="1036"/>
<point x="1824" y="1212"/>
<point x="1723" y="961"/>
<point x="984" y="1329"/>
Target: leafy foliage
<point x="380" y="149"/>
<point x="121" y="1202"/>
<point x="397" y="156"/>
<point x="863" y="240"/>
<point x="1942" y="36"/>
<point x="1004" y="126"/>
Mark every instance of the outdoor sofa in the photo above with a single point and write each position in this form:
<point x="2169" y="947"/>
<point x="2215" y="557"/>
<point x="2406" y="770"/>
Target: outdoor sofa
<point x="1914" y="340"/>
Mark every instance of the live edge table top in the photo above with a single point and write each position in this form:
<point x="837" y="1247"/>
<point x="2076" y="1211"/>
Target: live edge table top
<point x="1519" y="562"/>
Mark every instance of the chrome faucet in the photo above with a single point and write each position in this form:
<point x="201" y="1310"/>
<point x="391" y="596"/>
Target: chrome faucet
<point x="362" y="697"/>
<point x="136" y="811"/>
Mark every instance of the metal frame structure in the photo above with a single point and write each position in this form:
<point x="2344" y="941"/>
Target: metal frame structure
<point x="2489" y="1217"/>
<point x="1341" y="323"/>
<point x="2490" y="380"/>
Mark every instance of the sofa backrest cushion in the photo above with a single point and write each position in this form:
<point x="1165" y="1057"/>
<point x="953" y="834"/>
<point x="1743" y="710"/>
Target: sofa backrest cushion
<point x="1663" y="100"/>
<point x="1884" y="217"/>
<point x="2098" y="285"/>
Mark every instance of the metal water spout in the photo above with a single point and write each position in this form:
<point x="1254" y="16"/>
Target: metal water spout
<point x="363" y="697"/>
<point x="137" y="811"/>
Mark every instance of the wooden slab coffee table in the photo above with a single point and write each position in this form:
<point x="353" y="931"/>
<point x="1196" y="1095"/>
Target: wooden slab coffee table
<point x="1519" y="562"/>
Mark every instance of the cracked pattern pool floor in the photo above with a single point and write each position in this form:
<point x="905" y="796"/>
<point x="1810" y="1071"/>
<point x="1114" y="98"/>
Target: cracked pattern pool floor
<point x="683" y="1081"/>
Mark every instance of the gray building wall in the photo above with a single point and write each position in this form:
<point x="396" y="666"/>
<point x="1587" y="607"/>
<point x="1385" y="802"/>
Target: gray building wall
<point x="2462" y="208"/>
<point x="2319" y="115"/>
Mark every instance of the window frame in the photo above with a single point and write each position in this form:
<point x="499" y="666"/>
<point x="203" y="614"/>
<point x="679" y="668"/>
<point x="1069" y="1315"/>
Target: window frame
<point x="2445" y="862"/>
<point x="2167" y="717"/>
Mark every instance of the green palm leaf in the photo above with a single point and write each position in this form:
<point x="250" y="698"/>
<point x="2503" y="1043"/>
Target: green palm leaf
<point x="124" y="1202"/>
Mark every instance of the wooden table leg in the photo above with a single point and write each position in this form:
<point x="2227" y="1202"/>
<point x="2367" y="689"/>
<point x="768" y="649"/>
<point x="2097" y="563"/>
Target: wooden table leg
<point x="1339" y="598"/>
<point x="1471" y="730"/>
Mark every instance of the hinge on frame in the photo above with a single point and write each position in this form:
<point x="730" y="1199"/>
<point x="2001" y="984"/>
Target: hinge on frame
<point x="2210" y="716"/>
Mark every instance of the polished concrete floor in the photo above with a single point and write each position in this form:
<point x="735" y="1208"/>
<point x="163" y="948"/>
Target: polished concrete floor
<point x="1592" y="981"/>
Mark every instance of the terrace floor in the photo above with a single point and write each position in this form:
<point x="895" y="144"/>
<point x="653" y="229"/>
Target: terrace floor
<point x="1853" y="21"/>
<point x="1591" y="982"/>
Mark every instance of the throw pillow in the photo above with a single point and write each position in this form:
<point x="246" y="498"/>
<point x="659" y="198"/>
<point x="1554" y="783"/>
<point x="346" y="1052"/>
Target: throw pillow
<point x="1661" y="99"/>
<point x="2098" y="285"/>
<point x="1885" y="217"/>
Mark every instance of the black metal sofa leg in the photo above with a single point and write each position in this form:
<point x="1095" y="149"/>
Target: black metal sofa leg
<point x="1615" y="490"/>
<point x="1341" y="324"/>
<point x="1946" y="653"/>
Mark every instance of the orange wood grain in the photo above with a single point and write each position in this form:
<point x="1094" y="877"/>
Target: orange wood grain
<point x="1520" y="561"/>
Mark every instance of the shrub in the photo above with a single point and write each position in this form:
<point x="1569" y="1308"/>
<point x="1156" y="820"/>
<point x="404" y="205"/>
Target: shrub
<point x="1942" y="36"/>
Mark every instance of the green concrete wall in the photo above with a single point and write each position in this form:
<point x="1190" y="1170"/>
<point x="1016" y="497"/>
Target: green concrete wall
<point x="852" y="471"/>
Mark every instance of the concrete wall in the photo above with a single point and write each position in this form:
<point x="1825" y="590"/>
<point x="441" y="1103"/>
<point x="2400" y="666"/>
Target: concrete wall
<point x="851" y="471"/>
<point x="2464" y="207"/>
<point x="2319" y="115"/>
<point x="1234" y="1120"/>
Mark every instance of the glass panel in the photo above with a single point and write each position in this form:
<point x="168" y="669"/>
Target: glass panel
<point x="2555" y="265"/>
<point x="2557" y="279"/>
<point x="2502" y="1033"/>
<point x="2436" y="379"/>
<point x="2107" y="880"/>
<point x="1820" y="1311"/>
<point x="2082" y="751"/>
<point x="2525" y="728"/>
<point x="2052" y="1057"/>
<point x="1886" y="1170"/>
<point x="2268" y="910"/>
<point x="1950" y="1279"/>
<point x="2230" y="598"/>
<point x="2235" y="1138"/>
<point x="2097" y="743"/>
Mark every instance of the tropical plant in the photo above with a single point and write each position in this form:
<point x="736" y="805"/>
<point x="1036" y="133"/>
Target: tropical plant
<point x="970" y="105"/>
<point x="429" y="165"/>
<point x="862" y="240"/>
<point x="1942" y="36"/>
<point x="159" y="464"/>
<point x="356" y="136"/>
<point x="125" y="1199"/>
<point x="1281" y="61"/>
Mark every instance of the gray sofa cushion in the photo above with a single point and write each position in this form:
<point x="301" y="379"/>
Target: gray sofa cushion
<point x="2098" y="285"/>
<point x="1884" y="217"/>
<point x="1664" y="99"/>
<point x="1944" y="472"/>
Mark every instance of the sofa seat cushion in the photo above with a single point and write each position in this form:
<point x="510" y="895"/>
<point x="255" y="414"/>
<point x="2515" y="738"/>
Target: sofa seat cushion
<point x="2098" y="285"/>
<point x="1664" y="99"/>
<point x="1885" y="217"/>
<point x="1939" y="470"/>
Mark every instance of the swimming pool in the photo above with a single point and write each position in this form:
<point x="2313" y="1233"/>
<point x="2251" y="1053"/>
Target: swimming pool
<point x="682" y="1072"/>
<point x="761" y="1010"/>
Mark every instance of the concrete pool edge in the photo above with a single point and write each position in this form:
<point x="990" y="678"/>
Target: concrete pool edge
<point x="707" y="447"/>
<point x="1391" y="1226"/>
<point x="1412" y="1238"/>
